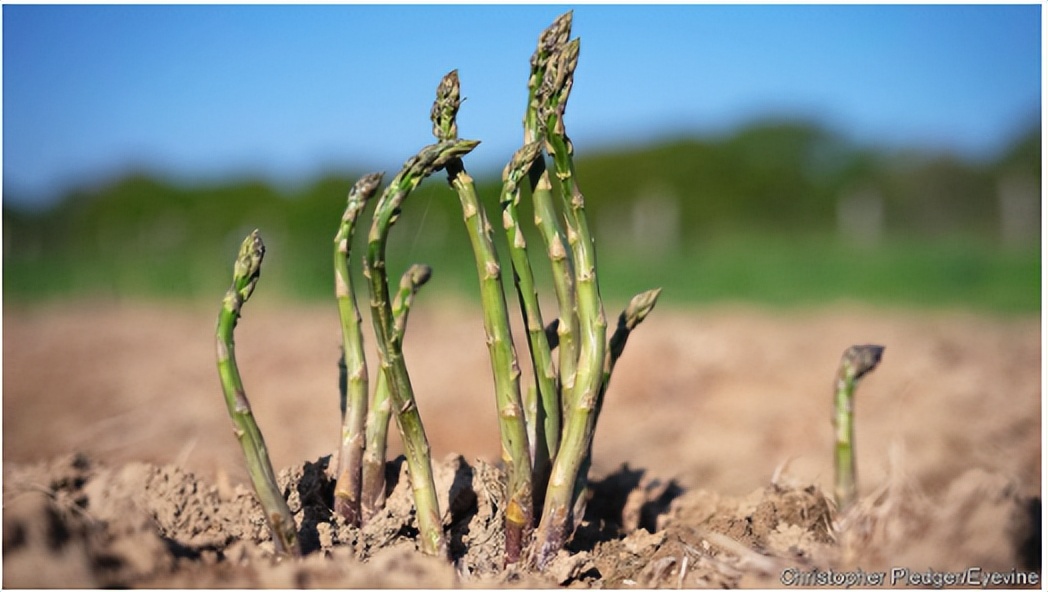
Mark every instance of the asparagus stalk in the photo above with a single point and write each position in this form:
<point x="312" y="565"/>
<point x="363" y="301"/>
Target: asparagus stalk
<point x="391" y="356"/>
<point x="857" y="362"/>
<point x="373" y="494"/>
<point x="546" y="420"/>
<point x="634" y="314"/>
<point x="353" y="370"/>
<point x="504" y="366"/>
<point x="554" y="527"/>
<point x="246" y="272"/>
<point x="546" y="218"/>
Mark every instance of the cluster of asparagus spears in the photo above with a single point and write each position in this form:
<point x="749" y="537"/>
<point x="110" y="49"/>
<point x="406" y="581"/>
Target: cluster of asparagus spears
<point x="547" y="428"/>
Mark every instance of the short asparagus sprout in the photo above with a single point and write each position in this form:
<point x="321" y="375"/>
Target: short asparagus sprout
<point x="503" y="355"/>
<point x="246" y="272"/>
<point x="857" y="362"/>
<point x="353" y="370"/>
<point x="391" y="356"/>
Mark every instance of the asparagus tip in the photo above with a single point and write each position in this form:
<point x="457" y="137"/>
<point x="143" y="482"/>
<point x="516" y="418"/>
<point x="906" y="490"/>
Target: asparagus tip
<point x="640" y="306"/>
<point x="556" y="34"/>
<point x="248" y="265"/>
<point x="366" y="186"/>
<point x="553" y="93"/>
<point x="449" y="150"/>
<point x="860" y="360"/>
<point x="445" y="107"/>
<point x="417" y="275"/>
<point x="520" y="164"/>
<point x="252" y="250"/>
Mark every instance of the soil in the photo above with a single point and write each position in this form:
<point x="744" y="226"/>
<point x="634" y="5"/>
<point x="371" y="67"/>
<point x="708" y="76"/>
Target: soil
<point x="712" y="459"/>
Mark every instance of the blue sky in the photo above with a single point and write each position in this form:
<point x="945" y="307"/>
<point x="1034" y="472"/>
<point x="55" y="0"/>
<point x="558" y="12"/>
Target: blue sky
<point x="290" y="92"/>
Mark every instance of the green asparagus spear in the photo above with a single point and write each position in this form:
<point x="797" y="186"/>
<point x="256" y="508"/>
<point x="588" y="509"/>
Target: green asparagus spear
<point x="503" y="355"/>
<point x="857" y="362"/>
<point x="373" y="494"/>
<point x="556" y="520"/>
<point x="636" y="311"/>
<point x="391" y="356"/>
<point x="353" y="370"/>
<point x="245" y="275"/>
<point x="546" y="217"/>
<point x="546" y="420"/>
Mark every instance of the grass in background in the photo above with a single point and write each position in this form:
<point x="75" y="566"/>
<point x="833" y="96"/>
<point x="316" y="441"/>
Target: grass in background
<point x="764" y="270"/>
<point x="809" y="271"/>
<point x="752" y="216"/>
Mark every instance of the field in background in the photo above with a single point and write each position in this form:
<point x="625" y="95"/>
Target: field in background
<point x="772" y="271"/>
<point x="780" y="213"/>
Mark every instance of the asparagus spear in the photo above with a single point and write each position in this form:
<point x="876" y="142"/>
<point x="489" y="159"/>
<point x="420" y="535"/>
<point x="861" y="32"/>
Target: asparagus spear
<point x="246" y="272"/>
<point x="503" y="355"/>
<point x="857" y="362"/>
<point x="416" y="447"/>
<point x="554" y="527"/>
<point x="373" y="494"/>
<point x="546" y="420"/>
<point x="634" y="314"/>
<point x="353" y="370"/>
<point x="546" y="218"/>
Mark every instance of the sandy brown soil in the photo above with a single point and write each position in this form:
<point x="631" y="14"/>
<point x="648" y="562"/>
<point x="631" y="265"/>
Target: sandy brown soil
<point x="712" y="458"/>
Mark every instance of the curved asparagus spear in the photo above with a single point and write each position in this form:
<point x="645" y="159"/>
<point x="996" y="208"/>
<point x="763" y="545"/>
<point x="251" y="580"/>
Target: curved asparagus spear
<point x="245" y="275"/>
<point x="373" y="491"/>
<point x="416" y="447"/>
<point x="353" y="370"/>
<point x="556" y="522"/>
<point x="547" y="410"/>
<point x="638" y="309"/>
<point x="503" y="355"/>
<point x="857" y="361"/>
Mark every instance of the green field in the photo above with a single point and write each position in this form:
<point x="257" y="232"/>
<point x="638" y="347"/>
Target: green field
<point x="763" y="215"/>
<point x="801" y="272"/>
<point x="767" y="271"/>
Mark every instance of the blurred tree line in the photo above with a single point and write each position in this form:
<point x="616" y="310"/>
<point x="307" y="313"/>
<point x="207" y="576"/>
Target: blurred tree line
<point x="141" y="234"/>
<point x="795" y="178"/>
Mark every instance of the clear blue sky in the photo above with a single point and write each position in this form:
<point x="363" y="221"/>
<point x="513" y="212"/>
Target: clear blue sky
<point x="289" y="92"/>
